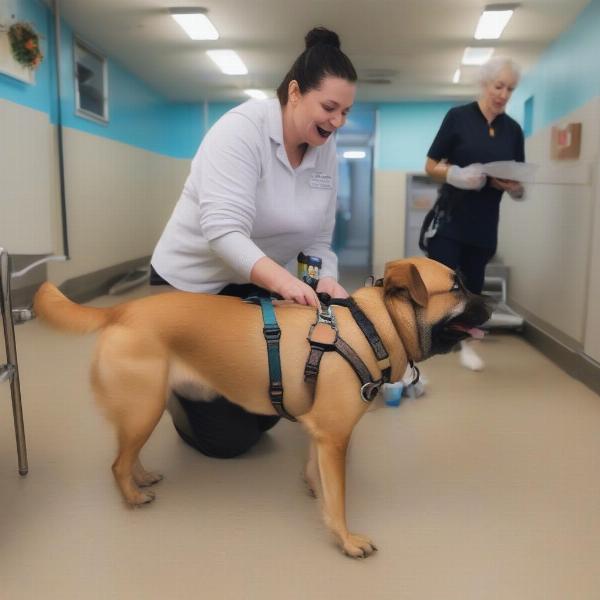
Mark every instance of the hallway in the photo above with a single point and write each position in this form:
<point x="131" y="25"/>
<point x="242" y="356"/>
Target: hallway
<point x="488" y="487"/>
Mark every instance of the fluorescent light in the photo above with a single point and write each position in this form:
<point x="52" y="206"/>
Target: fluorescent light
<point x="256" y="94"/>
<point x="228" y="61"/>
<point x="456" y="76"/>
<point x="195" y="23"/>
<point x="354" y="154"/>
<point x="492" y="22"/>
<point x="476" y="56"/>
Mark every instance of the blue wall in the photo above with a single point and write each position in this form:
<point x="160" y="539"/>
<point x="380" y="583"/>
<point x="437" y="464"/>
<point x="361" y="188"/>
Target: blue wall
<point x="138" y="116"/>
<point x="361" y="119"/>
<point x="566" y="76"/>
<point x="405" y="131"/>
<point x="36" y="96"/>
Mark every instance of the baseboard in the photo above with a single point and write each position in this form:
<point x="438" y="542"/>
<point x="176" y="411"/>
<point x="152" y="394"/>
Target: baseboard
<point x="91" y="285"/>
<point x="574" y="362"/>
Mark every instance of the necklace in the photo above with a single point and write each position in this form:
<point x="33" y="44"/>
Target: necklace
<point x="491" y="131"/>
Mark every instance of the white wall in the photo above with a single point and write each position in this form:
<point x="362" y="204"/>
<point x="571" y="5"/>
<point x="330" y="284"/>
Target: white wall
<point x="29" y="184"/>
<point x="389" y="215"/>
<point x="550" y="240"/>
<point x="119" y="197"/>
<point x="118" y="201"/>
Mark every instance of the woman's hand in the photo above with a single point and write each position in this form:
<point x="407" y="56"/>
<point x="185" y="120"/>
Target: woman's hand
<point x="514" y="188"/>
<point x="466" y="178"/>
<point x="266" y="273"/>
<point x="329" y="285"/>
<point x="292" y="288"/>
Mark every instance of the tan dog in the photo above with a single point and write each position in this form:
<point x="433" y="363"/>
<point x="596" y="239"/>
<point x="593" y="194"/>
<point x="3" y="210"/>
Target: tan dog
<point x="148" y="346"/>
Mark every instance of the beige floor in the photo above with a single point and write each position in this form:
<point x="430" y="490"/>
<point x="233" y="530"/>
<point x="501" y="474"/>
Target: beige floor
<point x="486" y="488"/>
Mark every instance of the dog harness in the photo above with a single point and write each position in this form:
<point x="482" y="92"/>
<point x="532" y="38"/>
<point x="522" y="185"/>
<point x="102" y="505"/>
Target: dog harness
<point x="324" y="337"/>
<point x="272" y="335"/>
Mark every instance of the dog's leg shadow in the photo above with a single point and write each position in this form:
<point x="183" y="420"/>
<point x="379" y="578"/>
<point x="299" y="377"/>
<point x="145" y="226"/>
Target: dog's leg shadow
<point x="312" y="479"/>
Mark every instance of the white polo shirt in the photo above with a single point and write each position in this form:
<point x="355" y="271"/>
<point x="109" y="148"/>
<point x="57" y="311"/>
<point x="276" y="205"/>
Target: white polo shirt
<point x="243" y="200"/>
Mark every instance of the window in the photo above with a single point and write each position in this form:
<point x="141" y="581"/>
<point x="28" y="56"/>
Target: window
<point x="91" y="83"/>
<point x="528" y="117"/>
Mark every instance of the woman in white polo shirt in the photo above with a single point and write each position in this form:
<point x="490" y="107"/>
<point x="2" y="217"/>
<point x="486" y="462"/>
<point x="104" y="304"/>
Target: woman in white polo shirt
<point x="262" y="188"/>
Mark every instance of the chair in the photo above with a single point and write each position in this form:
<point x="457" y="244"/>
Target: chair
<point x="10" y="371"/>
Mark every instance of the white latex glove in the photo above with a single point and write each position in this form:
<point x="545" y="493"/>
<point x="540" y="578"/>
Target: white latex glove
<point x="470" y="177"/>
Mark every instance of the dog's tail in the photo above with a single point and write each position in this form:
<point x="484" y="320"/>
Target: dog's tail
<point x="54" y="308"/>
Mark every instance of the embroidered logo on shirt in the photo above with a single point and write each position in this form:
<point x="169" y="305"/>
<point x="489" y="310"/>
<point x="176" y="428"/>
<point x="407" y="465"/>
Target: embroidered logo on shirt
<point x="321" y="181"/>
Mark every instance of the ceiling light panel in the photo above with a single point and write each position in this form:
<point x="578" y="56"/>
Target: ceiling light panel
<point x="492" y="23"/>
<point x="456" y="76"/>
<point x="195" y="23"/>
<point x="476" y="56"/>
<point x="354" y="154"/>
<point x="228" y="61"/>
<point x="256" y="94"/>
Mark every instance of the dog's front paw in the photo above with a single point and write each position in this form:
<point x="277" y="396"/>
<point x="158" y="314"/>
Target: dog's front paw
<point x="142" y="498"/>
<point x="358" y="546"/>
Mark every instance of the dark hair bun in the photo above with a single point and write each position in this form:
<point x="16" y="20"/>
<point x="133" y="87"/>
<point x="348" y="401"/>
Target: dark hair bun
<point x="321" y="35"/>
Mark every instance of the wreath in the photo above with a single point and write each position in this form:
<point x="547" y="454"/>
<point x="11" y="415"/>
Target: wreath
<point x="25" y="45"/>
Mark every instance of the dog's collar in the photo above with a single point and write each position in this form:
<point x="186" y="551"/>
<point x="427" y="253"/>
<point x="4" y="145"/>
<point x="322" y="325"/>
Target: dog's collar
<point x="411" y="307"/>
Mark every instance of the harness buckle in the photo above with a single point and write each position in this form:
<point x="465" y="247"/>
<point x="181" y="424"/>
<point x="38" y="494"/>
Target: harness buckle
<point x="272" y="334"/>
<point x="276" y="391"/>
<point x="369" y="390"/>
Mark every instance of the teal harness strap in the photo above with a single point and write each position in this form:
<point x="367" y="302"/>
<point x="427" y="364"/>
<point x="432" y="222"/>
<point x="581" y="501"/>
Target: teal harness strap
<point x="272" y="335"/>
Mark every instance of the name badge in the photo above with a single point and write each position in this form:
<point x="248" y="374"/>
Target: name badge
<point x="321" y="181"/>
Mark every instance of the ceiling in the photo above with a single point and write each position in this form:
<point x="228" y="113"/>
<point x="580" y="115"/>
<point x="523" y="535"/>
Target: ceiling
<point x="414" y="44"/>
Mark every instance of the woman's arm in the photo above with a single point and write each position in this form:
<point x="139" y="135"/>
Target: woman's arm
<point x="437" y="169"/>
<point x="470" y="177"/>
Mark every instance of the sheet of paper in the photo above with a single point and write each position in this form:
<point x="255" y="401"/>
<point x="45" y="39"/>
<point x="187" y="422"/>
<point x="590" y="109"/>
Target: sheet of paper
<point x="510" y="169"/>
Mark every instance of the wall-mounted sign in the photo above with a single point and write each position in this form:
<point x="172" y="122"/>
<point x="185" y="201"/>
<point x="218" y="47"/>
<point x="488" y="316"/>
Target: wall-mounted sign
<point x="566" y="142"/>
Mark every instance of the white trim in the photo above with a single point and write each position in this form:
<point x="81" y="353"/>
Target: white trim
<point x="81" y="112"/>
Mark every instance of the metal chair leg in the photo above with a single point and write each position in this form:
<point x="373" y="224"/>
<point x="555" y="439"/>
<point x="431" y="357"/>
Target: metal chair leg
<point x="10" y="371"/>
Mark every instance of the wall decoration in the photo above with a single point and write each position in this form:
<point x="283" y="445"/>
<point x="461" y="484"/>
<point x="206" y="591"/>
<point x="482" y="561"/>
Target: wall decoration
<point x="566" y="142"/>
<point x="20" y="53"/>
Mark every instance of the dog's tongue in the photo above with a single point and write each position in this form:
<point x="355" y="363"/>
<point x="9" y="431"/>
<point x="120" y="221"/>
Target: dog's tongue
<point x="474" y="332"/>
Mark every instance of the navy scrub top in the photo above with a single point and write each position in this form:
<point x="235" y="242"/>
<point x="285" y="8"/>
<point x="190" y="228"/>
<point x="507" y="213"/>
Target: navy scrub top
<point x="465" y="138"/>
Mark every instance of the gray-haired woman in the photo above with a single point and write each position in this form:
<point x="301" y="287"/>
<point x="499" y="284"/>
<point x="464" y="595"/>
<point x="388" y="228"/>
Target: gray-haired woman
<point x="469" y="202"/>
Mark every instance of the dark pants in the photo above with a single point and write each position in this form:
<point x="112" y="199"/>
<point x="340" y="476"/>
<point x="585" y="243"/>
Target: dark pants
<point x="469" y="261"/>
<point x="218" y="428"/>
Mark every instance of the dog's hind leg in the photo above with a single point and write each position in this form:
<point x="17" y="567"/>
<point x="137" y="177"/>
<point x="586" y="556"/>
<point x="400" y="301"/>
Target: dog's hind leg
<point x="133" y="434"/>
<point x="129" y="377"/>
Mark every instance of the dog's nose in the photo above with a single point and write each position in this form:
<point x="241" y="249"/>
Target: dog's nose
<point x="481" y="310"/>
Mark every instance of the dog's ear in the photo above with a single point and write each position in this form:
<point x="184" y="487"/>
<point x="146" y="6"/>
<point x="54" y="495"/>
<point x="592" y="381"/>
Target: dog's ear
<point x="403" y="275"/>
